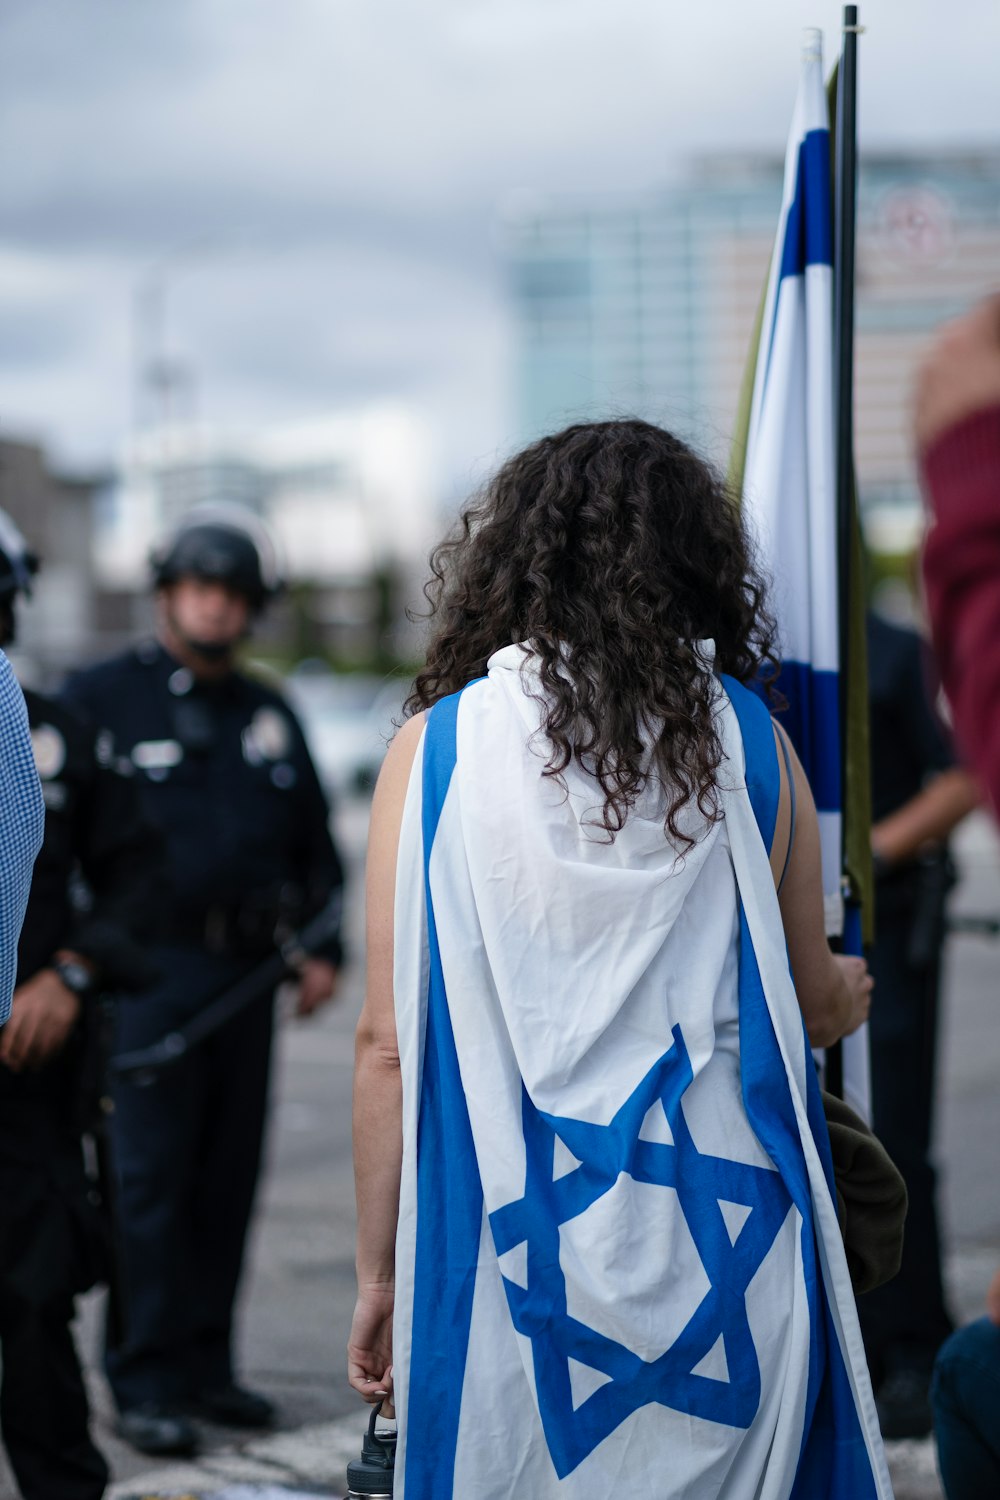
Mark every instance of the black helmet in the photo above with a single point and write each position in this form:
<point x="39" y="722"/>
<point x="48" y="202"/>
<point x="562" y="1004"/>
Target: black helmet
<point x="226" y="544"/>
<point x="18" y="564"/>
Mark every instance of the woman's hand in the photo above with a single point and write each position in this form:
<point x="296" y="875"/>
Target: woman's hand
<point x="369" y="1348"/>
<point x="858" y="984"/>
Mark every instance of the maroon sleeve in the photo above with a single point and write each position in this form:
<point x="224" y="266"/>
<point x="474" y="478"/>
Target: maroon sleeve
<point x="961" y="474"/>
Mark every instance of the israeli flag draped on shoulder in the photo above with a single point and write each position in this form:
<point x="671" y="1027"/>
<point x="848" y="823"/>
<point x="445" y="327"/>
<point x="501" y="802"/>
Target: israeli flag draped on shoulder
<point x="618" y="1263"/>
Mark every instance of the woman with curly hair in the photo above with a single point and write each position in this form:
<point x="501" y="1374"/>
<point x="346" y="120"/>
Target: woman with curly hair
<point x="597" y="1246"/>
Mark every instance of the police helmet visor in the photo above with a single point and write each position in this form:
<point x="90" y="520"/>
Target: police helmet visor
<point x="217" y="554"/>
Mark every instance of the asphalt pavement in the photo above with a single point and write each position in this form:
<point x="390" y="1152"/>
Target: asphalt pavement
<point x="298" y="1294"/>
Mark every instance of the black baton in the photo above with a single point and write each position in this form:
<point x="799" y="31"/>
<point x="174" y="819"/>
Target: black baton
<point x="266" y="976"/>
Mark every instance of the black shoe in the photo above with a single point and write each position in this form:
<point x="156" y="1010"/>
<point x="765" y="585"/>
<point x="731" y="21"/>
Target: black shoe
<point x="903" y="1403"/>
<point x="232" y="1406"/>
<point x="159" y="1429"/>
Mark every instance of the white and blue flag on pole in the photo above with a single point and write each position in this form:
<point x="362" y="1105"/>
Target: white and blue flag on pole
<point x="789" y="493"/>
<point x="790" y="501"/>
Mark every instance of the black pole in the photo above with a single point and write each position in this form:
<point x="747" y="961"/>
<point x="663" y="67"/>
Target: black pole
<point x="845" y="222"/>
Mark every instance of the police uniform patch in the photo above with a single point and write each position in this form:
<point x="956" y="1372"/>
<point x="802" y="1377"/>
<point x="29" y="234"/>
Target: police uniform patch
<point x="49" y="750"/>
<point x="104" y="748"/>
<point x="269" y="733"/>
<point x="157" y="756"/>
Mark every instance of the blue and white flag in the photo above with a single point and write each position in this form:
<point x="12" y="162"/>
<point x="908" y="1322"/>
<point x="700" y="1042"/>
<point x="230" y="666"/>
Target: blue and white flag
<point x="789" y="492"/>
<point x="618" y="1263"/>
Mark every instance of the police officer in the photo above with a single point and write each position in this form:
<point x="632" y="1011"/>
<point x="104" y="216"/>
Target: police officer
<point x="53" y="1240"/>
<point x="225" y="773"/>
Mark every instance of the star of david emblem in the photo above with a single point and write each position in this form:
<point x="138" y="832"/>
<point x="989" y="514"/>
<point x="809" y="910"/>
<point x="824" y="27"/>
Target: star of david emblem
<point x="733" y="1212"/>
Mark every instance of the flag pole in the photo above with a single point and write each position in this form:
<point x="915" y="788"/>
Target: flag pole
<point x="845" y="221"/>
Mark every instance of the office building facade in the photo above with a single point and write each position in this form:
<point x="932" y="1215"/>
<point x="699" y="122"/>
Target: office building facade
<point x="647" y="306"/>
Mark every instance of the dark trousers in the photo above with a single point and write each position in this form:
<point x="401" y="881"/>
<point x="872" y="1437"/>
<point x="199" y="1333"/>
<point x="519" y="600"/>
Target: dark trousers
<point x="43" y="1405"/>
<point x="966" y="1399"/>
<point x="187" y="1152"/>
<point x="906" y="1320"/>
<point x="51" y="1247"/>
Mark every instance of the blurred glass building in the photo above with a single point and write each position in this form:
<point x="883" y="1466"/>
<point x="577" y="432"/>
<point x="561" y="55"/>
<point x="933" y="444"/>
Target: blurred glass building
<point x="647" y="307"/>
<point x="55" y="511"/>
<point x="350" y="498"/>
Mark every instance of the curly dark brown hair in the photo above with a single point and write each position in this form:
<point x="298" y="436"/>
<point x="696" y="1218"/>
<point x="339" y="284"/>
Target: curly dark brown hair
<point x="612" y="549"/>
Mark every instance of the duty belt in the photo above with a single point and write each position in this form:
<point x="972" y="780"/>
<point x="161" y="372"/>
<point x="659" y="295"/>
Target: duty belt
<point x="239" y="931"/>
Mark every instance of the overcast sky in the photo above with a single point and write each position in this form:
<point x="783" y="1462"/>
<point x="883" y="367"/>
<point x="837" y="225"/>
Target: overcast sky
<point x="320" y="179"/>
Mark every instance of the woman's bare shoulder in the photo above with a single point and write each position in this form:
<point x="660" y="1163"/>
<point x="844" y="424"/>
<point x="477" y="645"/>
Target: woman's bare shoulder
<point x="400" y="755"/>
<point x="404" y="742"/>
<point x="390" y="798"/>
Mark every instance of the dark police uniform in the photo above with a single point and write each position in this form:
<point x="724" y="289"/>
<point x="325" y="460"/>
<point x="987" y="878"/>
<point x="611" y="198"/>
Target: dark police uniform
<point x="52" y="1237"/>
<point x="905" y="1321"/>
<point x="224" y="772"/>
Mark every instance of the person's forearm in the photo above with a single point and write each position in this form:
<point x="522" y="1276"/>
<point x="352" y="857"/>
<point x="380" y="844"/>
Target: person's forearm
<point x="378" y="1156"/>
<point x="926" y="819"/>
<point x="826" y="1007"/>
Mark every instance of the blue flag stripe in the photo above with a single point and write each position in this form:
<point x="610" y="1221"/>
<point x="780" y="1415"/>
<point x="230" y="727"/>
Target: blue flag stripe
<point x="812" y="721"/>
<point x="449" y="1191"/>
<point x="755" y="728"/>
<point x="808" y="232"/>
<point x="808" y="237"/>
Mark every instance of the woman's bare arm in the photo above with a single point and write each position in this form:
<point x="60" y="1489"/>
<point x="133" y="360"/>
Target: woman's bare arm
<point x="378" y="1093"/>
<point x="834" y="992"/>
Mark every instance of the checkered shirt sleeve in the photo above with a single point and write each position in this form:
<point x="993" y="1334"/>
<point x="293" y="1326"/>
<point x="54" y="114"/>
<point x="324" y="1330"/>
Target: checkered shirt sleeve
<point x="22" y="825"/>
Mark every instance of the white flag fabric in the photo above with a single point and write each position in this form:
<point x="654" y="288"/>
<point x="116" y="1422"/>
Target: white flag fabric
<point x="789" y="494"/>
<point x="618" y="1263"/>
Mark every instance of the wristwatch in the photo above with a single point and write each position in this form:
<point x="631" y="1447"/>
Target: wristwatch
<point x="74" y="975"/>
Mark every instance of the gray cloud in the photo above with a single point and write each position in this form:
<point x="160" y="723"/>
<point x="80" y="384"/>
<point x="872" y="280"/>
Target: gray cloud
<point x="340" y="164"/>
